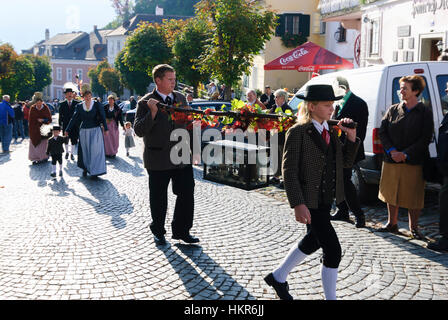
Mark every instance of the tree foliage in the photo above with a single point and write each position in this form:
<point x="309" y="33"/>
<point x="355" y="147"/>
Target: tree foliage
<point x="19" y="81"/>
<point x="7" y="56"/>
<point x="239" y="31"/>
<point x="187" y="48"/>
<point x="42" y="71"/>
<point x="137" y="81"/>
<point x="145" y="49"/>
<point x="109" y="78"/>
<point x="94" y="74"/>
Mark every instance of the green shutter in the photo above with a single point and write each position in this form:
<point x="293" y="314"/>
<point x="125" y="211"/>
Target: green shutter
<point x="304" y="25"/>
<point x="280" y="30"/>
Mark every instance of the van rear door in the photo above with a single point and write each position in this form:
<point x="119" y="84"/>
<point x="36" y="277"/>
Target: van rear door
<point x="395" y="72"/>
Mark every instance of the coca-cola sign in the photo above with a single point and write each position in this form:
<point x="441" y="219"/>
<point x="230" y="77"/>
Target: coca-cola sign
<point x="306" y="69"/>
<point x="294" y="56"/>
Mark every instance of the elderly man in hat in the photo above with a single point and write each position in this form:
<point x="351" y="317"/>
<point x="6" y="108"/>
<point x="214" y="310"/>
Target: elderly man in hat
<point x="66" y="109"/>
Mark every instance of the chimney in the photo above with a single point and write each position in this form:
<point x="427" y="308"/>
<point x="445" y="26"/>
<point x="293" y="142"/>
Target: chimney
<point x="159" y="11"/>
<point x="47" y="34"/>
<point x="95" y="28"/>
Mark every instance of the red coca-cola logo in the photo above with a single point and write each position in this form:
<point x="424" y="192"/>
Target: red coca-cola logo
<point x="294" y="56"/>
<point x="308" y="68"/>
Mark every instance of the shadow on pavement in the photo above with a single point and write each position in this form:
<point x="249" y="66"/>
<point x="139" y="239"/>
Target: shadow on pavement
<point x="107" y="200"/>
<point x="4" y="157"/>
<point x="121" y="165"/>
<point x="40" y="173"/>
<point x="222" y="285"/>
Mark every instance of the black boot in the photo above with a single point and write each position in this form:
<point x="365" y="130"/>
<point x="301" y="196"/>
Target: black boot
<point x="360" y="220"/>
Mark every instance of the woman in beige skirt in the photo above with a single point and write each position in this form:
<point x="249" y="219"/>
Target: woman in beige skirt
<point x="405" y="133"/>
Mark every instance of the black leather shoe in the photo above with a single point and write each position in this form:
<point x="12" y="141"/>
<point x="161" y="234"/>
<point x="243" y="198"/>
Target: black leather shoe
<point x="66" y="155"/>
<point x="72" y="157"/>
<point x="188" y="239"/>
<point x="53" y="174"/>
<point x="360" y="221"/>
<point x="340" y="216"/>
<point x="160" y="241"/>
<point x="84" y="173"/>
<point x="281" y="289"/>
<point x="440" y="245"/>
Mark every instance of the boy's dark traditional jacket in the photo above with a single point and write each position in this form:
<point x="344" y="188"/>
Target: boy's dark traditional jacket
<point x="56" y="145"/>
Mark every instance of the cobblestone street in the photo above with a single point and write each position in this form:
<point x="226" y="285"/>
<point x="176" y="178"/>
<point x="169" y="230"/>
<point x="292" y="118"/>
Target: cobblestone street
<point x="77" y="238"/>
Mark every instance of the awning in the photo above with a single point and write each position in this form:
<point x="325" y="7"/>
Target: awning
<point x="309" y="57"/>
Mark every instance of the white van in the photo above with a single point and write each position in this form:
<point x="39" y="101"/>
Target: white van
<point x="378" y="86"/>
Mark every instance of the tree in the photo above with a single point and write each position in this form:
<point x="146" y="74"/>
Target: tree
<point x="123" y="8"/>
<point x="42" y="71"/>
<point x="94" y="74"/>
<point x="137" y="81"/>
<point x="7" y="56"/>
<point x="109" y="78"/>
<point x="145" y="49"/>
<point x="19" y="82"/>
<point x="239" y="31"/>
<point x="187" y="48"/>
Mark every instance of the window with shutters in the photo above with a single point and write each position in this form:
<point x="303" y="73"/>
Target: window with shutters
<point x="293" y="23"/>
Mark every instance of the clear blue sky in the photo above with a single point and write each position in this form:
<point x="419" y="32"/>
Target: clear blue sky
<point x="23" y="22"/>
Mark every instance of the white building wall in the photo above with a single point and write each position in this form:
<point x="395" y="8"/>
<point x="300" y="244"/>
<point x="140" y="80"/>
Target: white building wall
<point x="406" y="29"/>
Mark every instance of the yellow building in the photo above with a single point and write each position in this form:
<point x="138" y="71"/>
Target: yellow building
<point x="295" y="16"/>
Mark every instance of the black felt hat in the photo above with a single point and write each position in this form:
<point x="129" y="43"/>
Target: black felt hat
<point x="68" y="90"/>
<point x="319" y="92"/>
<point x="56" y="128"/>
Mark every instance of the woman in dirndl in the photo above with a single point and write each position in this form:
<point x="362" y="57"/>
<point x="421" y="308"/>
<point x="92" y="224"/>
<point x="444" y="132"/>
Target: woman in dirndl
<point x="89" y="115"/>
<point x="114" y="116"/>
<point x="39" y="115"/>
<point x="406" y="131"/>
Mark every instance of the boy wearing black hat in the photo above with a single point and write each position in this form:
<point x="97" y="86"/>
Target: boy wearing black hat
<point x="55" y="149"/>
<point x="312" y="166"/>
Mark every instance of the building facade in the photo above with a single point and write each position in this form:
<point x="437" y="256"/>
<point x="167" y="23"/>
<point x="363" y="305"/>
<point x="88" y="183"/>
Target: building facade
<point x="403" y="31"/>
<point x="71" y="54"/>
<point x="294" y="17"/>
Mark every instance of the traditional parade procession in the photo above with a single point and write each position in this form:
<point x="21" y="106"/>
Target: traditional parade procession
<point x="227" y="150"/>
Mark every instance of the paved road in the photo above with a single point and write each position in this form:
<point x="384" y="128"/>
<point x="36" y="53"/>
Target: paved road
<point x="75" y="238"/>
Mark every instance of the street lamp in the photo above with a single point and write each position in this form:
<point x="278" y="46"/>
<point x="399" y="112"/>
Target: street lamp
<point x="439" y="45"/>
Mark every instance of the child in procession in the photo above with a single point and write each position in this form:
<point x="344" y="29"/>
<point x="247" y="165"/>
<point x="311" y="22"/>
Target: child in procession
<point x="312" y="166"/>
<point x="129" y="137"/>
<point x="55" y="149"/>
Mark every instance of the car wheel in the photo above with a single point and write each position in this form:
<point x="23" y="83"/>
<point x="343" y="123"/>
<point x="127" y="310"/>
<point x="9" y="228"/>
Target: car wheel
<point x="367" y="193"/>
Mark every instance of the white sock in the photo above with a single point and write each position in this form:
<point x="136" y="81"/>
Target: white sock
<point x="53" y="168"/>
<point x="293" y="258"/>
<point x="329" y="279"/>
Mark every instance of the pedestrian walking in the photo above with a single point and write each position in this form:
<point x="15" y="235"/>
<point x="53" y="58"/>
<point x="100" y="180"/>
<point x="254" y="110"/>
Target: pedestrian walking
<point x="67" y="108"/>
<point x="129" y="137"/>
<point x="355" y="108"/>
<point x="405" y="132"/>
<point x="88" y="116"/>
<point x="155" y="127"/>
<point x="6" y="123"/>
<point x="26" y="114"/>
<point x="55" y="149"/>
<point x="114" y="115"/>
<point x="313" y="162"/>
<point x="18" y="122"/>
<point x="39" y="115"/>
<point x="442" y="156"/>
